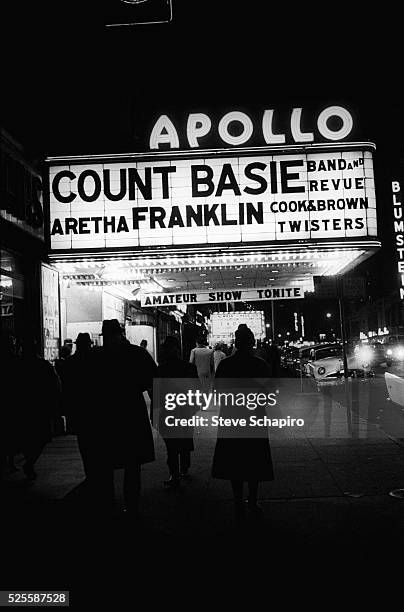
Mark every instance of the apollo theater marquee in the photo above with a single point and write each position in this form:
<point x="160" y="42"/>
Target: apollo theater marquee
<point x="270" y="199"/>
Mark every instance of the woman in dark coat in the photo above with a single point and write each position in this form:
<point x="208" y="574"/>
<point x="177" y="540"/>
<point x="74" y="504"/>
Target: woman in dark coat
<point x="238" y="458"/>
<point x="179" y="448"/>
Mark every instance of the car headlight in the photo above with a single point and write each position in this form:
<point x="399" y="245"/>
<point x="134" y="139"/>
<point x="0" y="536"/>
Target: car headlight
<point x="365" y="354"/>
<point x="400" y="352"/>
<point x="389" y="352"/>
<point x="321" y="371"/>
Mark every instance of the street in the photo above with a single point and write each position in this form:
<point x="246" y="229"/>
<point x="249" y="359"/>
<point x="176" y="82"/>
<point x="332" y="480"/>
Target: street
<point x="368" y="399"/>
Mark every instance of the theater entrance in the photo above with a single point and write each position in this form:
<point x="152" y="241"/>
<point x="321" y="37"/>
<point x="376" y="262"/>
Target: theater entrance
<point x="155" y="295"/>
<point x="163" y="241"/>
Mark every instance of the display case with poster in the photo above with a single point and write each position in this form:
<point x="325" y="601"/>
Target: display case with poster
<point x="50" y="309"/>
<point x="223" y="325"/>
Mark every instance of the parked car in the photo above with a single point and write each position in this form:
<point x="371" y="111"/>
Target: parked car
<point x="395" y="388"/>
<point x="287" y="357"/>
<point x="327" y="361"/>
<point x="301" y="359"/>
<point x="394" y="350"/>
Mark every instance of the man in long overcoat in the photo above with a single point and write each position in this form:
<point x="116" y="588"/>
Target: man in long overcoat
<point x="116" y="430"/>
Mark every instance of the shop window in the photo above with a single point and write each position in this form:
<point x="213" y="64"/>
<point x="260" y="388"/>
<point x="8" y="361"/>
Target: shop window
<point x="10" y="263"/>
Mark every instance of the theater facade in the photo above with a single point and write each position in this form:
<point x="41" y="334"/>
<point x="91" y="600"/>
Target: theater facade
<point x="147" y="237"/>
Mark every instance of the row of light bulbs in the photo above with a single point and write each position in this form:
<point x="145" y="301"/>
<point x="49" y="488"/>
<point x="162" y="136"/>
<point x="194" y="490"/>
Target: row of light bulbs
<point x="338" y="263"/>
<point x="137" y="271"/>
<point x="208" y="260"/>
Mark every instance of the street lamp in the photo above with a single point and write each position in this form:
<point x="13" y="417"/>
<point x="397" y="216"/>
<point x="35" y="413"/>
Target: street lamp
<point x="328" y="315"/>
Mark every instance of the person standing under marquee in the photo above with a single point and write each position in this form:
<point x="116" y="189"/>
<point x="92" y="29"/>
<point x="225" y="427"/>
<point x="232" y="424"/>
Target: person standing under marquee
<point x="40" y="407"/>
<point x="218" y="355"/>
<point x="179" y="441"/>
<point x="202" y="357"/>
<point x="239" y="458"/>
<point x="121" y="434"/>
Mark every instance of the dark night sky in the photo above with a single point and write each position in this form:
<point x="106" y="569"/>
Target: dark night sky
<point x="73" y="86"/>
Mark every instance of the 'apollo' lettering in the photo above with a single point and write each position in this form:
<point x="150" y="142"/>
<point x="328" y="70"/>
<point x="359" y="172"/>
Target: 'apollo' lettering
<point x="199" y="126"/>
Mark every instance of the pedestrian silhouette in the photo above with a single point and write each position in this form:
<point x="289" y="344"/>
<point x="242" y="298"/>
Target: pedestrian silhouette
<point x="179" y="448"/>
<point x="77" y="393"/>
<point x="202" y="357"/>
<point x="65" y="352"/>
<point x="218" y="355"/>
<point x="10" y="412"/>
<point x="239" y="458"/>
<point x="274" y="360"/>
<point x="41" y="403"/>
<point x="117" y="427"/>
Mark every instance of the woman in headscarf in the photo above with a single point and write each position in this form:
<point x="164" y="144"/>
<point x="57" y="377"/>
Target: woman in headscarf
<point x="239" y="458"/>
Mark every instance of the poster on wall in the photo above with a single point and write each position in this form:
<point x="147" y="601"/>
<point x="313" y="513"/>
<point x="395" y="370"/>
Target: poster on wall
<point x="50" y="309"/>
<point x="113" y="307"/>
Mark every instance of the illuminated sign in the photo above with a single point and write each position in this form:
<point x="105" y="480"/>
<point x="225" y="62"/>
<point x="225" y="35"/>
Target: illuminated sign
<point x="225" y="324"/>
<point x="236" y="128"/>
<point x="245" y="199"/>
<point x="398" y="212"/>
<point x="222" y="296"/>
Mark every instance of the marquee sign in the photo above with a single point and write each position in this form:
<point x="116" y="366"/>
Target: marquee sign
<point x="210" y="199"/>
<point x="222" y="297"/>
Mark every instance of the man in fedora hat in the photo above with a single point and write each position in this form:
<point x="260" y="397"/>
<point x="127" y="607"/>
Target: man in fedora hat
<point x="120" y="435"/>
<point x="83" y="343"/>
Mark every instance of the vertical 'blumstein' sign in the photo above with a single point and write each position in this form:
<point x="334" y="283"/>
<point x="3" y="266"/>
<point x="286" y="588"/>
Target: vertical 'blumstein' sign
<point x="398" y="213"/>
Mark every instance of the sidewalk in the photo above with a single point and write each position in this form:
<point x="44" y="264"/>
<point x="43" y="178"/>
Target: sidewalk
<point x="328" y="509"/>
<point x="323" y="488"/>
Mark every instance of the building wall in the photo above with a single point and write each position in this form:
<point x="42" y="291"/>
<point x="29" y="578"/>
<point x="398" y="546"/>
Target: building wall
<point x="22" y="244"/>
<point x="377" y="318"/>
